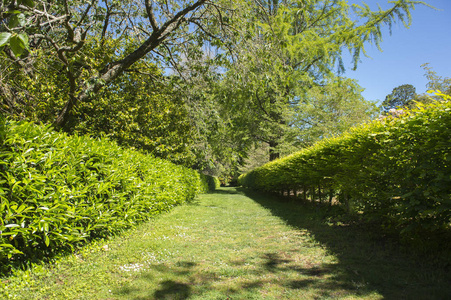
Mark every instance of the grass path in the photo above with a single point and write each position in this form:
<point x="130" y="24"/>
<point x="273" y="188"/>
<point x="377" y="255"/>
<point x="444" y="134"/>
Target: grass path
<point x="229" y="245"/>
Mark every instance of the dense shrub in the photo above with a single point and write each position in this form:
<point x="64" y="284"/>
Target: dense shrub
<point x="57" y="191"/>
<point x="395" y="171"/>
<point x="209" y="183"/>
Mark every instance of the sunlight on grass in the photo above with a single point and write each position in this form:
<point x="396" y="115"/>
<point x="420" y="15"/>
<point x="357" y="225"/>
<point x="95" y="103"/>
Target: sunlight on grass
<point x="228" y="246"/>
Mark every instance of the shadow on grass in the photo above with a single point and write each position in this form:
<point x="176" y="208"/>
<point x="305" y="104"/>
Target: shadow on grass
<point x="377" y="262"/>
<point x="167" y="288"/>
<point x="171" y="289"/>
<point x="228" y="191"/>
<point x="188" y="280"/>
<point x="366" y="267"/>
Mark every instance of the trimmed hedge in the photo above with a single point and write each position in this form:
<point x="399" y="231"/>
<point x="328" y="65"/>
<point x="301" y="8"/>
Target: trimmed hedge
<point x="395" y="171"/>
<point x="209" y="183"/>
<point x="57" y="191"/>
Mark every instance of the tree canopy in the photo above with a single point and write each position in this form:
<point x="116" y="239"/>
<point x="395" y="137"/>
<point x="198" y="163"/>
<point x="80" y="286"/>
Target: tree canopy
<point x="405" y="96"/>
<point x="401" y="96"/>
<point x="290" y="48"/>
<point x="208" y="80"/>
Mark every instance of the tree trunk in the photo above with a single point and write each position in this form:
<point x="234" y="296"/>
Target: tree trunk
<point x="273" y="154"/>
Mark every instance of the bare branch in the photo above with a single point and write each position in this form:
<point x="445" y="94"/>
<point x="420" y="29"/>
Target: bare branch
<point x="85" y="13"/>
<point x="106" y="22"/>
<point x="173" y="62"/>
<point x="70" y="30"/>
<point x="150" y="15"/>
<point x="173" y="23"/>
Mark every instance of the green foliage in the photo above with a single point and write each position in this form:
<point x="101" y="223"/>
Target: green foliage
<point x="58" y="191"/>
<point x="395" y="171"/>
<point x="401" y="96"/>
<point x="330" y="110"/>
<point x="97" y="66"/>
<point x="209" y="183"/>
<point x="33" y="95"/>
<point x="2" y="129"/>
<point x="257" y="156"/>
<point x="436" y="82"/>
<point x="138" y="110"/>
<point x="141" y="112"/>
<point x="62" y="29"/>
<point x="284" y="71"/>
<point x="16" y="38"/>
<point x="247" y="71"/>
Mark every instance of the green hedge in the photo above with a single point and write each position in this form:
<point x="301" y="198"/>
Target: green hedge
<point x="209" y="183"/>
<point x="396" y="171"/>
<point x="57" y="191"/>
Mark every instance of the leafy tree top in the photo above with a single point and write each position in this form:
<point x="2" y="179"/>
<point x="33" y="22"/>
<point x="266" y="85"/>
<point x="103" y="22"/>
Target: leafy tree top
<point x="401" y="96"/>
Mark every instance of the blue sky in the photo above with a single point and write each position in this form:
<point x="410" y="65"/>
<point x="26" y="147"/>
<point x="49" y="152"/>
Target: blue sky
<point x="428" y="40"/>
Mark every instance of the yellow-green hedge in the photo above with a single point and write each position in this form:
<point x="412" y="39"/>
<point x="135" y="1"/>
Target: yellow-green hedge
<point x="396" y="171"/>
<point x="57" y="191"/>
<point x="209" y="183"/>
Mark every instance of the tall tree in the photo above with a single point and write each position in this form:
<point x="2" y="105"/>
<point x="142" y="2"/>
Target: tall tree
<point x="289" y="47"/>
<point x="401" y="96"/>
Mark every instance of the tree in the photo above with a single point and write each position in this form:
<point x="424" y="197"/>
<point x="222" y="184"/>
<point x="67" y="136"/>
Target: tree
<point x="60" y="29"/>
<point x="217" y="144"/>
<point x="269" y="54"/>
<point x="257" y="157"/>
<point x="436" y="82"/>
<point x="140" y="111"/>
<point x="290" y="47"/>
<point x="331" y="109"/>
<point x="401" y="96"/>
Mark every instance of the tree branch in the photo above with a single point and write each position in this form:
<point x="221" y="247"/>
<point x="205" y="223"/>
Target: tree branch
<point x="150" y="15"/>
<point x="113" y="70"/>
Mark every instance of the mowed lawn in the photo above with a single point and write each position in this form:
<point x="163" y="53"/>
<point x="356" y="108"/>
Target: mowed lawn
<point x="232" y="245"/>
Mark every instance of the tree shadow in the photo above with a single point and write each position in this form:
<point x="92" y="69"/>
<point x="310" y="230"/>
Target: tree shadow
<point x="365" y="267"/>
<point x="227" y="191"/>
<point x="172" y="290"/>
<point x="167" y="288"/>
<point x="327" y="279"/>
<point x="185" y="280"/>
<point x="364" y="258"/>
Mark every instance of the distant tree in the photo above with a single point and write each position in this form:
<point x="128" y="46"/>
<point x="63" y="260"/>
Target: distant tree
<point x="401" y="96"/>
<point x="331" y="109"/>
<point x="257" y="156"/>
<point x="436" y="82"/>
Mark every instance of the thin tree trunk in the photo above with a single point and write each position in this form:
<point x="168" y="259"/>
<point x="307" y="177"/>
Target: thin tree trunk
<point x="313" y="194"/>
<point x="319" y="194"/>
<point x="273" y="154"/>
<point x="305" y="193"/>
